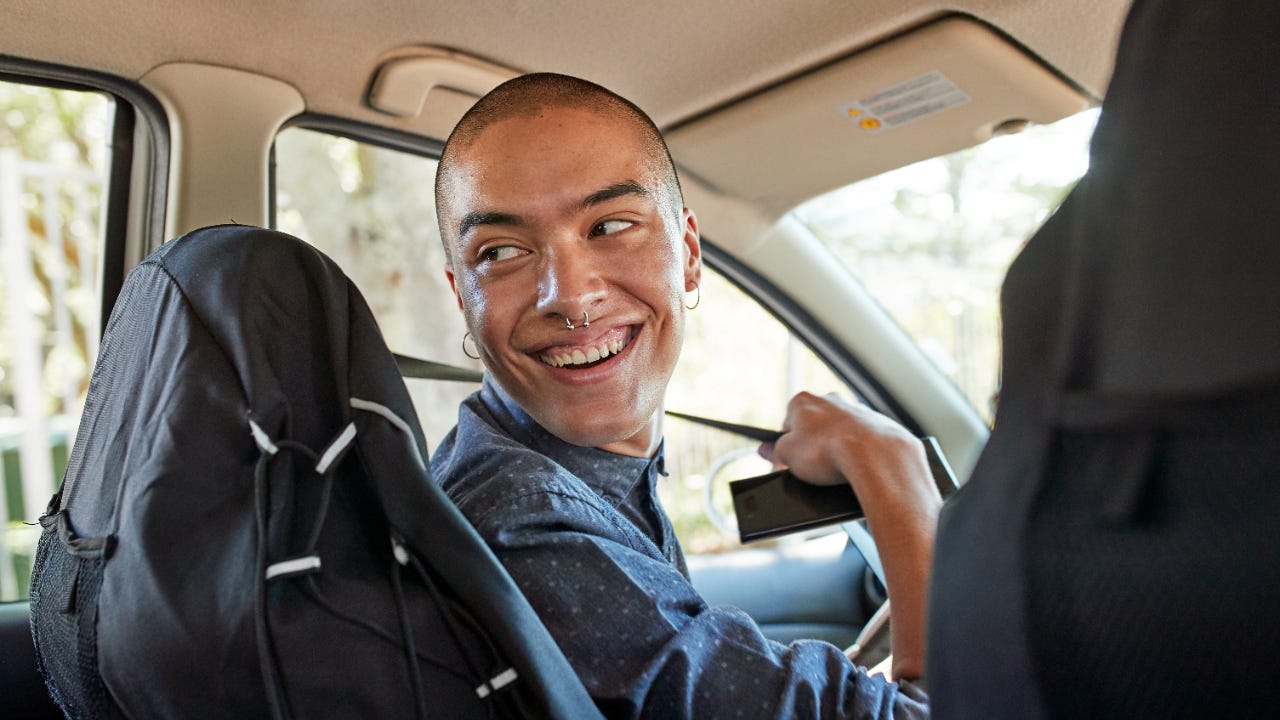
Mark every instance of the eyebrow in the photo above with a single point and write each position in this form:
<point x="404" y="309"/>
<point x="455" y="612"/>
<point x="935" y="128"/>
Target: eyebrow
<point x="616" y="190"/>
<point x="472" y="220"/>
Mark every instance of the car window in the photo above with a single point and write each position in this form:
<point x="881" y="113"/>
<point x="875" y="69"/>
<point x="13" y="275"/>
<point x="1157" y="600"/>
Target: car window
<point x="932" y="241"/>
<point x="372" y="209"/>
<point x="54" y="157"/>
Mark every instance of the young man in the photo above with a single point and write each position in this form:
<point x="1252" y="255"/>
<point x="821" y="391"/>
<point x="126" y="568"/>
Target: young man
<point x="570" y="252"/>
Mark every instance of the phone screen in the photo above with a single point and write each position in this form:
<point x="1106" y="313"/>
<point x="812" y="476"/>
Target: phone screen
<point x="780" y="503"/>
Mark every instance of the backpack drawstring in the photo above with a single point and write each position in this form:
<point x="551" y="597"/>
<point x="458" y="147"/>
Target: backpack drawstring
<point x="307" y="562"/>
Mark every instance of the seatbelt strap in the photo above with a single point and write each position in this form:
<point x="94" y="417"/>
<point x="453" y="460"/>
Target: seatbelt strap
<point x="420" y="369"/>
<point x="861" y="539"/>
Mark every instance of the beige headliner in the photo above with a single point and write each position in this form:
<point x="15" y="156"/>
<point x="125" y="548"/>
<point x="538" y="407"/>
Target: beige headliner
<point x="675" y="58"/>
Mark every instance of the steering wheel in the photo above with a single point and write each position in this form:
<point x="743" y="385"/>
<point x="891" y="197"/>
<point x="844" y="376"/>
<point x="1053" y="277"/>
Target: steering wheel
<point x="723" y="524"/>
<point x="871" y="647"/>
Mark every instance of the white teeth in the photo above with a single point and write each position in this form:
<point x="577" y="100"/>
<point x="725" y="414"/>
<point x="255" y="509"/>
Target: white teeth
<point x="577" y="356"/>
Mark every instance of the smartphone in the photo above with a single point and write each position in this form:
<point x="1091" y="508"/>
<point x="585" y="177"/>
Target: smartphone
<point x="780" y="503"/>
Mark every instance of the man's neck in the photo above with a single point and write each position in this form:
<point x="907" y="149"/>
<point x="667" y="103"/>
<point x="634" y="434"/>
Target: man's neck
<point x="644" y="443"/>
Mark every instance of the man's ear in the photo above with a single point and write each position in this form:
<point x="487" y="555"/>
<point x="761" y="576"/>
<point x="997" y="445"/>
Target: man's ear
<point x="453" y="283"/>
<point x="692" y="250"/>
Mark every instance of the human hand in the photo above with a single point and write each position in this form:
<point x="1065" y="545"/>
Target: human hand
<point x="831" y="440"/>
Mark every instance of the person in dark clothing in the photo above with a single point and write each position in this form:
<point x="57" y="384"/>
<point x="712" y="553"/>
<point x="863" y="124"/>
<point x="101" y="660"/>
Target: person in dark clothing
<point x="1114" y="553"/>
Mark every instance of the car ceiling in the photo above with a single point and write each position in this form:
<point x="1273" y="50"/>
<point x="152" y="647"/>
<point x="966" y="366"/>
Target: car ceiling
<point x="675" y="58"/>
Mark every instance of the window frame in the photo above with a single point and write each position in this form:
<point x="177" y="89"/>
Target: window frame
<point x="842" y="361"/>
<point x="353" y="130"/>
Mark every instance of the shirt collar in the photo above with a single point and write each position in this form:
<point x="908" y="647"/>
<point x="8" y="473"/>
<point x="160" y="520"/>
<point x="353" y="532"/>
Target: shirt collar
<point x="609" y="474"/>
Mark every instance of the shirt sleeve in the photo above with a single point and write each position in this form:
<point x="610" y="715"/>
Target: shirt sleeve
<point x="645" y="643"/>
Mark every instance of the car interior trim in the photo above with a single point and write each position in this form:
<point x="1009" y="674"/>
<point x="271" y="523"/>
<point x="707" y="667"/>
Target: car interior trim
<point x="808" y="143"/>
<point x="402" y="84"/>
<point x="211" y="109"/>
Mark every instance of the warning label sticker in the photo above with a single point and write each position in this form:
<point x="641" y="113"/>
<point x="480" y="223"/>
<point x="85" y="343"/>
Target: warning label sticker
<point x="919" y="97"/>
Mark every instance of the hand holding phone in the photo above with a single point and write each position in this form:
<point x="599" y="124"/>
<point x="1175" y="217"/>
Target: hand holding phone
<point x="780" y="503"/>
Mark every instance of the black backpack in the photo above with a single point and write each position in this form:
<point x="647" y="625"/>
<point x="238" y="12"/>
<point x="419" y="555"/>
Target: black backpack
<point x="248" y="526"/>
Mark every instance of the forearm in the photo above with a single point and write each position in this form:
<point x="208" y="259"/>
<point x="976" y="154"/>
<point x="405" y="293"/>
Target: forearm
<point x="902" y="511"/>
<point x="907" y="580"/>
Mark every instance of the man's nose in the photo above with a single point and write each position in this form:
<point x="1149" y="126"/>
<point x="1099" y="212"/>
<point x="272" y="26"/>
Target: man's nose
<point x="569" y="282"/>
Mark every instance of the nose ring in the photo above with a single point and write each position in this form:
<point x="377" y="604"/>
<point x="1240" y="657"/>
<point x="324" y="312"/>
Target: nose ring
<point x="568" y="324"/>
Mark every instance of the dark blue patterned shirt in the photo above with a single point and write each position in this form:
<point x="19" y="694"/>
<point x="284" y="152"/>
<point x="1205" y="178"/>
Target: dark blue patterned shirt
<point x="582" y="533"/>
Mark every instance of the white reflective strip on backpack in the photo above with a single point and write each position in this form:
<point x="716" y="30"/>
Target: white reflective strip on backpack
<point x="296" y="566"/>
<point x="336" y="447"/>
<point x="263" y="440"/>
<point x="497" y="682"/>
<point x="397" y="549"/>
<point x="395" y="420"/>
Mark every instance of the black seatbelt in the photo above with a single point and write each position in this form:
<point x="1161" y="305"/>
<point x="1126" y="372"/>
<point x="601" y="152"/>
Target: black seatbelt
<point x="420" y="369"/>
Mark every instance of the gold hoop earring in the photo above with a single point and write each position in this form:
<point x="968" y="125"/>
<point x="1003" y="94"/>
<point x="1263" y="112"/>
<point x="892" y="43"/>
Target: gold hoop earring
<point x="697" y="300"/>
<point x="473" y="342"/>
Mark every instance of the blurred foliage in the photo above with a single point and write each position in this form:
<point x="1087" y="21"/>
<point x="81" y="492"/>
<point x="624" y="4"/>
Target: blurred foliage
<point x="68" y="127"/>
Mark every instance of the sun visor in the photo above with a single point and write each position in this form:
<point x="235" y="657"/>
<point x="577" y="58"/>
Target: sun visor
<point x="945" y="86"/>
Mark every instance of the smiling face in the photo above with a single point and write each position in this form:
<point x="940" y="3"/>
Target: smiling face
<point x="566" y="214"/>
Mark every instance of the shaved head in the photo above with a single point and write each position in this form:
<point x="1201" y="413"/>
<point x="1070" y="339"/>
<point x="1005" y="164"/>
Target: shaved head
<point x="528" y="96"/>
<point x="557" y="200"/>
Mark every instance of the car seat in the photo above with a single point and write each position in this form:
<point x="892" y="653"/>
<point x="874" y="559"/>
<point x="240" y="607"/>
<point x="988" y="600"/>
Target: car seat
<point x="248" y="526"/>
